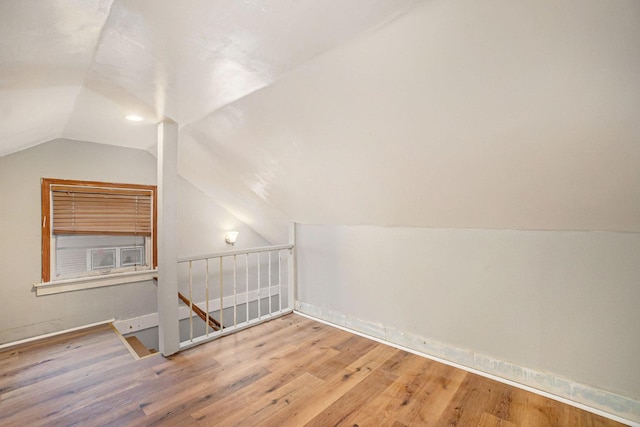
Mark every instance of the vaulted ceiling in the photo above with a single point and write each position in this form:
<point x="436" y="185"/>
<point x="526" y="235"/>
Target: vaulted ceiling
<point x="435" y="113"/>
<point x="74" y="68"/>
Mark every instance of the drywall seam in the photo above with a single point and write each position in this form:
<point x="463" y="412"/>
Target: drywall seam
<point x="601" y="402"/>
<point x="53" y="334"/>
<point x="150" y="320"/>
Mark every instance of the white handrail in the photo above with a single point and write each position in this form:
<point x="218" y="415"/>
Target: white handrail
<point x="237" y="252"/>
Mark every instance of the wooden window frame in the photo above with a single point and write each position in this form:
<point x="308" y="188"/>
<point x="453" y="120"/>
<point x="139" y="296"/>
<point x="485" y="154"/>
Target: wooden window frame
<point x="47" y="183"/>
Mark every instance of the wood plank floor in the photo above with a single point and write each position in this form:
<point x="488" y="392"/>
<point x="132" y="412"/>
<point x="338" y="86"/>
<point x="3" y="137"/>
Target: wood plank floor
<point x="289" y="371"/>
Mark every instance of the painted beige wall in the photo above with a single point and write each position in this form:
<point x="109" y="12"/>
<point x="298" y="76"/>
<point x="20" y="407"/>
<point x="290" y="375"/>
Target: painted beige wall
<point x="559" y="302"/>
<point x="201" y="227"/>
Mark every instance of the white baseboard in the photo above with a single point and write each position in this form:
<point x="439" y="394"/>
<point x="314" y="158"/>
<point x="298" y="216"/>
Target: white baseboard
<point x="150" y="320"/>
<point x="53" y="334"/>
<point x="601" y="402"/>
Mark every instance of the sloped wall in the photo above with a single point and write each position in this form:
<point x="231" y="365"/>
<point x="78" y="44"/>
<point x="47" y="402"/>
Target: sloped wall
<point x="201" y="228"/>
<point x="459" y="114"/>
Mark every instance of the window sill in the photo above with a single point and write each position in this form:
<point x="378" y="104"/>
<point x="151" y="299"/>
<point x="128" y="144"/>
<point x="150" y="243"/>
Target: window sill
<point x="69" y="285"/>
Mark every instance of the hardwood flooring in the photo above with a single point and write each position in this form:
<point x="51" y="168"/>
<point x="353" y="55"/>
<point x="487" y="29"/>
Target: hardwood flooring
<point x="289" y="371"/>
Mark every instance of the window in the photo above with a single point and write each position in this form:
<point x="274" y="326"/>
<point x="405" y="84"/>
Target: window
<point x="96" y="229"/>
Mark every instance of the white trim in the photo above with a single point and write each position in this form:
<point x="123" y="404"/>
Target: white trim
<point x="184" y="345"/>
<point x="53" y="334"/>
<point x="236" y="252"/>
<point x="292" y="266"/>
<point x="600" y="402"/>
<point x="135" y="324"/>
<point x="150" y="320"/>
<point x="90" y="282"/>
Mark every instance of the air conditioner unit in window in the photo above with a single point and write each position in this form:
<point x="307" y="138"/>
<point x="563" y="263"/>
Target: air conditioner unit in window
<point x="102" y="258"/>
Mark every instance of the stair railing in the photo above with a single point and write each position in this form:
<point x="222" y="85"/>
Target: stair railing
<point x="251" y="286"/>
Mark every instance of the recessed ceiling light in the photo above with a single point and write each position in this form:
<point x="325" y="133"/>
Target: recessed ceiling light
<point x="134" y="117"/>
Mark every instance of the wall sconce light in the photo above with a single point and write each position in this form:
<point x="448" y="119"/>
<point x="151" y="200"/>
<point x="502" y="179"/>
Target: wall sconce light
<point x="134" y="118"/>
<point x="231" y="237"/>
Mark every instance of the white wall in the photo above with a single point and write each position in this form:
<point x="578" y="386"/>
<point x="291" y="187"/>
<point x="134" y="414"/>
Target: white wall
<point x="565" y="303"/>
<point x="201" y="227"/>
<point x="460" y="114"/>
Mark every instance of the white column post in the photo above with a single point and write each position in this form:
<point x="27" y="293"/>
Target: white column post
<point x="291" y="285"/>
<point x="169" y="334"/>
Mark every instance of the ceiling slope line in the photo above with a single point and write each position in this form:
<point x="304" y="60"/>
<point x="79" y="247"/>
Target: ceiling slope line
<point x="95" y="48"/>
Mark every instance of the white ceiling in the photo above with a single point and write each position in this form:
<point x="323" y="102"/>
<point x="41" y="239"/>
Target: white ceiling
<point x="438" y="113"/>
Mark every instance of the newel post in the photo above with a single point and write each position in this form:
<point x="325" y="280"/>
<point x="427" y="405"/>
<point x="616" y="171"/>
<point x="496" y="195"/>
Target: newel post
<point x="169" y="335"/>
<point x="292" y="284"/>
